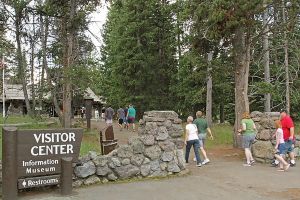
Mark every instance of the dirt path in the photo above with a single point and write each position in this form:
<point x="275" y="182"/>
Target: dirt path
<point x="223" y="179"/>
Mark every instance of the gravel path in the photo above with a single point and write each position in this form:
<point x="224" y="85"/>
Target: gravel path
<point x="223" y="179"/>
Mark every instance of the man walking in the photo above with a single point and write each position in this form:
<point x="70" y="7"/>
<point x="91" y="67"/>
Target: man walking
<point x="203" y="128"/>
<point x="131" y="117"/>
<point x="121" y="116"/>
<point x="288" y="134"/>
<point x="109" y="114"/>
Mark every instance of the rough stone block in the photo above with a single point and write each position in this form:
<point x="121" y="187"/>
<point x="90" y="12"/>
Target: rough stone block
<point x="92" y="180"/>
<point x="137" y="159"/>
<point x="153" y="152"/>
<point x="148" y="140"/>
<point x="167" y="156"/>
<point x="162" y="134"/>
<point x="127" y="171"/>
<point x="103" y="171"/>
<point x="145" y="170"/>
<point x="124" y="151"/>
<point x="87" y="169"/>
<point x="263" y="149"/>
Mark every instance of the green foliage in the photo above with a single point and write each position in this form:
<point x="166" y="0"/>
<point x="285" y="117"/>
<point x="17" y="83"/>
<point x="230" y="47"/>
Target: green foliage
<point x="139" y="54"/>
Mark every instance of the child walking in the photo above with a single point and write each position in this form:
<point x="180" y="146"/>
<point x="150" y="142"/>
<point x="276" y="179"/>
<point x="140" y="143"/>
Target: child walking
<point x="280" y="148"/>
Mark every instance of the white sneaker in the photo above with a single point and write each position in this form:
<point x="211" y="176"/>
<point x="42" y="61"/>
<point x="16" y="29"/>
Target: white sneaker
<point x="194" y="159"/>
<point x="205" y="161"/>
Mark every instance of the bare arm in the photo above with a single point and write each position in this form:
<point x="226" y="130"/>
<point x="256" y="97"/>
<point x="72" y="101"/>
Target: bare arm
<point x="186" y="136"/>
<point x="292" y="131"/>
<point x="210" y="134"/>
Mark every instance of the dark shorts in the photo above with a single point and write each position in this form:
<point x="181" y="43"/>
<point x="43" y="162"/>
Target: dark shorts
<point x="288" y="146"/>
<point x="121" y="121"/>
<point x="281" y="149"/>
<point x="131" y="120"/>
<point x="248" y="140"/>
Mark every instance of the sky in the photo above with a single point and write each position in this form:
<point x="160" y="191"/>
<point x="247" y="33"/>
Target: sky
<point x="96" y="26"/>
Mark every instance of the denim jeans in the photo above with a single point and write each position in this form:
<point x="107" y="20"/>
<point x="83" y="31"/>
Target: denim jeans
<point x="196" y="145"/>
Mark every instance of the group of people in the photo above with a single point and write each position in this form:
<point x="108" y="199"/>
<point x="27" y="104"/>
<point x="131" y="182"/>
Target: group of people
<point x="196" y="131"/>
<point x="126" y="116"/>
<point x="285" y="138"/>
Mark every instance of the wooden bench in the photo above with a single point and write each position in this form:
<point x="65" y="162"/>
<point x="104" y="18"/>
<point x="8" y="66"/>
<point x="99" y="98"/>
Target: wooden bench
<point x="109" y="143"/>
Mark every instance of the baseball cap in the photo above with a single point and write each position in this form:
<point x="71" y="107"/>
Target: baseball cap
<point x="283" y="110"/>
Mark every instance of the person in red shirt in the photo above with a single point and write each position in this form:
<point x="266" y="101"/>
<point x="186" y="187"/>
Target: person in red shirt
<point x="288" y="134"/>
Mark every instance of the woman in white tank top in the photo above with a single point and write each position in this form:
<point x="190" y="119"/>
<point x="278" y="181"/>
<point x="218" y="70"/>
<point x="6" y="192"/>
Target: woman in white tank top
<point x="191" y="139"/>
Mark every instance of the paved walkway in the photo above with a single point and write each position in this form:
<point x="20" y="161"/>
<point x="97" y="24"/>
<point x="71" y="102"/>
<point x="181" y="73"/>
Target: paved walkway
<point x="223" y="179"/>
<point x="220" y="180"/>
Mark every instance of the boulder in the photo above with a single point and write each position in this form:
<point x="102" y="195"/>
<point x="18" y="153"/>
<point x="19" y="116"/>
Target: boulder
<point x="112" y="177"/>
<point x="103" y="171"/>
<point x="92" y="155"/>
<point x="180" y="158"/>
<point x="145" y="170"/>
<point x="167" y="156"/>
<point x="153" y="152"/>
<point x="163" y="166"/>
<point x="137" y="145"/>
<point x="175" y="131"/>
<point x="126" y="161"/>
<point x="173" y="167"/>
<point x="124" y="151"/>
<point x="256" y="114"/>
<point x="267" y="123"/>
<point x="114" y="162"/>
<point x="77" y="183"/>
<point x="167" y="145"/>
<point x="162" y="134"/>
<point x="263" y="149"/>
<point x="146" y="161"/>
<point x="127" y="171"/>
<point x="137" y="159"/>
<point x="100" y="161"/>
<point x="148" y="140"/>
<point x="162" y="114"/>
<point x="151" y="128"/>
<point x="92" y="180"/>
<point x="264" y="134"/>
<point x="87" y="169"/>
<point x="179" y="143"/>
<point x="155" y="166"/>
<point x="167" y="124"/>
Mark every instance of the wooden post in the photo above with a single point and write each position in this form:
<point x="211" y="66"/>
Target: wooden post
<point x="66" y="176"/>
<point x="88" y="111"/>
<point x="9" y="164"/>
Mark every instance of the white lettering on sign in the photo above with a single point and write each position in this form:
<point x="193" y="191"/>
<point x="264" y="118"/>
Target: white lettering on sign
<point x="39" y="170"/>
<point x="32" y="183"/>
<point x="54" y="137"/>
<point x="32" y="163"/>
<point x="54" y="149"/>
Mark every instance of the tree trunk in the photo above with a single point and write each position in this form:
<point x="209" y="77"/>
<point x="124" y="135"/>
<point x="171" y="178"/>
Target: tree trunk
<point x="266" y="58"/>
<point x="68" y="35"/>
<point x="222" y="114"/>
<point x="20" y="60"/>
<point x="32" y="76"/>
<point x="44" y="25"/>
<point x="241" y="50"/>
<point x="286" y="62"/>
<point x="209" y="91"/>
<point x="43" y="36"/>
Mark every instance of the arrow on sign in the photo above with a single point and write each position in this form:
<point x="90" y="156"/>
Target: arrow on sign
<point x="24" y="183"/>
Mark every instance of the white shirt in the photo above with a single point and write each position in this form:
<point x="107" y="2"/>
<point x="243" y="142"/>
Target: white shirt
<point x="279" y="135"/>
<point x="193" y="132"/>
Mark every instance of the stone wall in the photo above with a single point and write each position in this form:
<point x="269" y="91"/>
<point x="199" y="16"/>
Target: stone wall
<point x="156" y="151"/>
<point x="263" y="148"/>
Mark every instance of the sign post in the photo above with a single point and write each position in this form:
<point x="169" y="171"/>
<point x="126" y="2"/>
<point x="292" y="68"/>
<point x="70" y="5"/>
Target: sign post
<point x="9" y="164"/>
<point x="88" y="112"/>
<point x="36" y="158"/>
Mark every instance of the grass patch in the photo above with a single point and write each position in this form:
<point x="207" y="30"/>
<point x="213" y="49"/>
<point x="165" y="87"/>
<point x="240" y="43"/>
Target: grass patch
<point x="90" y="142"/>
<point x="222" y="136"/>
<point x="16" y="119"/>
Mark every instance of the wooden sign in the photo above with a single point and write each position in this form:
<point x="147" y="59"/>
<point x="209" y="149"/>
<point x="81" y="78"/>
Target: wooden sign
<point x="40" y="151"/>
<point x="38" y="181"/>
<point x="34" y="158"/>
